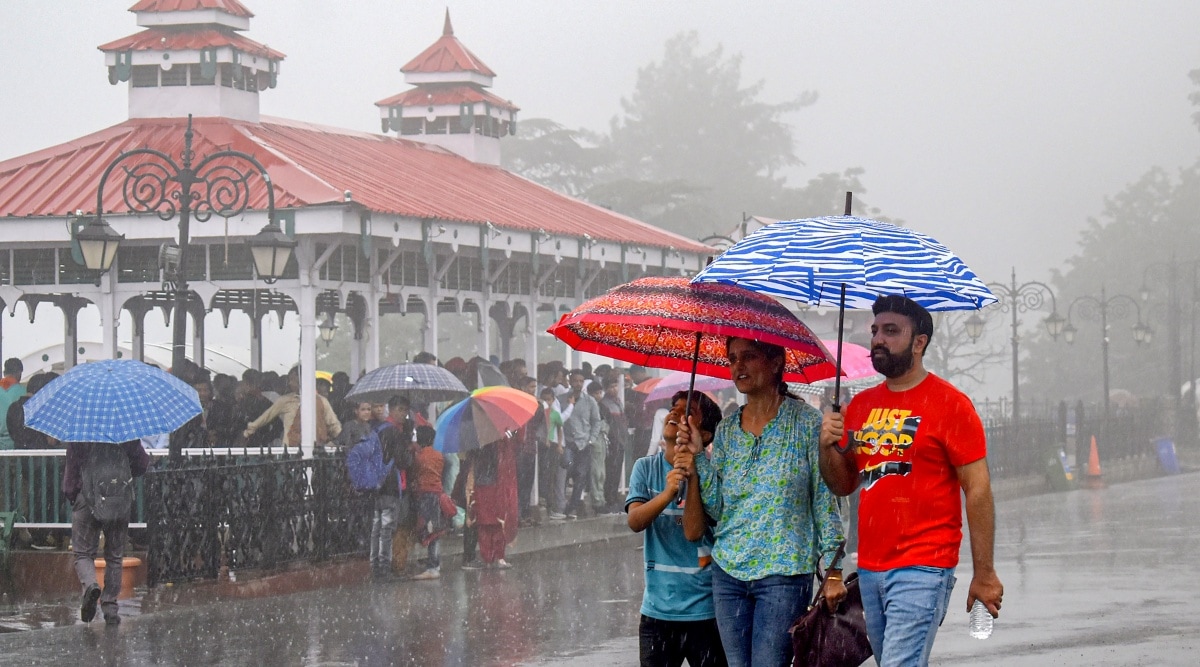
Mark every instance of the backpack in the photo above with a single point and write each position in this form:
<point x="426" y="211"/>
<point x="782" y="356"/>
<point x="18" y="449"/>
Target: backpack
<point x="365" y="463"/>
<point x="107" y="482"/>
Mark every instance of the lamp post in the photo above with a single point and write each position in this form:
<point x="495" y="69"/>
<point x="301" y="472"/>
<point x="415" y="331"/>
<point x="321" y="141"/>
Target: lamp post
<point x="1016" y="299"/>
<point x="1092" y="308"/>
<point x="155" y="183"/>
<point x="1167" y="274"/>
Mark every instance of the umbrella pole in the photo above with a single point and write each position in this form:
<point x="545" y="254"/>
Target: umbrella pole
<point x="837" y="378"/>
<point x="687" y="412"/>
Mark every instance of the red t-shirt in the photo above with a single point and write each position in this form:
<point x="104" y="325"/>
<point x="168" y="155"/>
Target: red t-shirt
<point x="907" y="446"/>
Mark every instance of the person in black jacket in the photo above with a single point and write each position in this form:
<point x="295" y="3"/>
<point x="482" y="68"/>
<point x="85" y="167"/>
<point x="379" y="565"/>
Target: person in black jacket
<point x="24" y="437"/>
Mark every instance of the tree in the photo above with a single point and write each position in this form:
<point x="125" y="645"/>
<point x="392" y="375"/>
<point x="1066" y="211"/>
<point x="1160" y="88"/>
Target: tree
<point x="562" y="159"/>
<point x="1151" y="222"/>
<point x="954" y="356"/>
<point x="691" y="151"/>
<point x="690" y="119"/>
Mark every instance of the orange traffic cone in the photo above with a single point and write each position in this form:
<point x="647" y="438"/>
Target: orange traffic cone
<point x="1095" y="479"/>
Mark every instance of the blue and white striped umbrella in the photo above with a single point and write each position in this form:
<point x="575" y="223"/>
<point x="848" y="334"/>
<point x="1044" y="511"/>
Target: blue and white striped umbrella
<point x="111" y="401"/>
<point x="419" y="382"/>
<point x="809" y="260"/>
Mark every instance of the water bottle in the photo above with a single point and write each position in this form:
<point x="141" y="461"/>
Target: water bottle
<point x="981" y="621"/>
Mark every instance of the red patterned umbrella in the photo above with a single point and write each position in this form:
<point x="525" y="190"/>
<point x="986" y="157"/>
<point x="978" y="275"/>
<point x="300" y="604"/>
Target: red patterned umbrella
<point x="654" y="322"/>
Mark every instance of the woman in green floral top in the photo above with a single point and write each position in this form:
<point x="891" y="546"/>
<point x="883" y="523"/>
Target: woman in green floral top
<point x="774" y="516"/>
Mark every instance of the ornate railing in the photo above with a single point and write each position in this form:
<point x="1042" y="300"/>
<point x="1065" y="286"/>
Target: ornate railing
<point x="31" y="486"/>
<point x="255" y="515"/>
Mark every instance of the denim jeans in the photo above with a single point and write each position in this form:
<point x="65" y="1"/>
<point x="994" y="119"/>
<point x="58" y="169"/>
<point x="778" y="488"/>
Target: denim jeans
<point x="754" y="616"/>
<point x="904" y="608"/>
<point x="383" y="529"/>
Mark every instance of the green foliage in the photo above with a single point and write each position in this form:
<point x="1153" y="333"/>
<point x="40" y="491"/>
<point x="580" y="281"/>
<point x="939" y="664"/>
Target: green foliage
<point x="691" y="151"/>
<point x="1142" y="231"/>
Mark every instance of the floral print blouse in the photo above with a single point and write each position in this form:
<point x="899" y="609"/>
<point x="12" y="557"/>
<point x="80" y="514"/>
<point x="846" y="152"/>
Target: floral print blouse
<point x="773" y="512"/>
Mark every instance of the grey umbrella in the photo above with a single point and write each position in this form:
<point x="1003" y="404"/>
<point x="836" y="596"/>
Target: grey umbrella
<point x="423" y="383"/>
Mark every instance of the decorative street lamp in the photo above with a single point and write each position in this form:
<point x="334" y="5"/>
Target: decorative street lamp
<point x="327" y="329"/>
<point x="155" y="183"/>
<point x="98" y="244"/>
<point x="1092" y="308"/>
<point x="1015" y="299"/>
<point x="271" y="249"/>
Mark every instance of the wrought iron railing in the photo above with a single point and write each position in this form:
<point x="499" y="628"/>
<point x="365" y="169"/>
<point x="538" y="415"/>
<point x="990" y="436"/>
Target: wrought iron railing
<point x="31" y="481"/>
<point x="255" y="515"/>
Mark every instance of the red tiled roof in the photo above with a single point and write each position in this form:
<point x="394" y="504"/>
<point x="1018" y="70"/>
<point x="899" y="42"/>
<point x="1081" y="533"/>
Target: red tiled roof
<point x="312" y="165"/>
<point x="160" y="39"/>
<point x="441" y="95"/>
<point x="228" y="6"/>
<point x="447" y="54"/>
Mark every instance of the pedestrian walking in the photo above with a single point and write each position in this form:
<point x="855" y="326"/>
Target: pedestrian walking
<point x="914" y="444"/>
<point x="98" y="481"/>
<point x="10" y="391"/>
<point x="678" y="620"/>
<point x="775" y="518"/>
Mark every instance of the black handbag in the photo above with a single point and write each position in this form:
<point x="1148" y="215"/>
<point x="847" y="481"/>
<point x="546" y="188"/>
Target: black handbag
<point x="821" y="638"/>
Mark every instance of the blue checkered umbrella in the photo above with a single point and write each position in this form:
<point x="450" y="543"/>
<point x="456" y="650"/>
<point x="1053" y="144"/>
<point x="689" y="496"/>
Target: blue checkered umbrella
<point x="424" y="383"/>
<point x="111" y="401"/>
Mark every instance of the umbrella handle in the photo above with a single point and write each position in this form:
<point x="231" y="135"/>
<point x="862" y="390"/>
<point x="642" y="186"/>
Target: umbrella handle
<point x="687" y="413"/>
<point x="837" y="377"/>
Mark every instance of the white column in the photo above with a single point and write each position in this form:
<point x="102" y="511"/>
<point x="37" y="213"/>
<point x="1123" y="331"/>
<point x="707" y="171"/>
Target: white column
<point x="306" y="303"/>
<point x="256" y="319"/>
<point x="198" y="337"/>
<point x="430" y="343"/>
<point x="138" y="339"/>
<point x="371" y="328"/>
<point x="355" y="369"/>
<point x="485" y="329"/>
<point x="531" y="347"/>
<point x="110" y="316"/>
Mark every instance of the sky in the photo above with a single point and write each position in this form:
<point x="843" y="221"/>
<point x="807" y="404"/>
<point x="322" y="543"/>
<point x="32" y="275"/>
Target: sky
<point x="997" y="127"/>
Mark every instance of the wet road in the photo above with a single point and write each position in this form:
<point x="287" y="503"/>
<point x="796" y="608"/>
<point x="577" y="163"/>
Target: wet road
<point x="1092" y="578"/>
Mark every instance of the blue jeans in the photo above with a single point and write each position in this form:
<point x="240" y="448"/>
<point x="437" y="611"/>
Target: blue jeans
<point x="904" y="608"/>
<point x="753" y="617"/>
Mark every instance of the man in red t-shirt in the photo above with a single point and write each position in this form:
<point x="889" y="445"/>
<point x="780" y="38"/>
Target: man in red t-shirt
<point x="913" y="442"/>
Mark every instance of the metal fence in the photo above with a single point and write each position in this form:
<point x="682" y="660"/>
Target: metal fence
<point x="31" y="486"/>
<point x="1028" y="448"/>
<point x="251" y="515"/>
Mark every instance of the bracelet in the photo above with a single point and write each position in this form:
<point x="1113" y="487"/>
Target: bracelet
<point x="832" y="578"/>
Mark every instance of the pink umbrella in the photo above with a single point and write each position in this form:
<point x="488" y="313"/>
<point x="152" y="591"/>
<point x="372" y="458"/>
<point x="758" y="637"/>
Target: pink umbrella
<point x="678" y="381"/>
<point x="856" y="360"/>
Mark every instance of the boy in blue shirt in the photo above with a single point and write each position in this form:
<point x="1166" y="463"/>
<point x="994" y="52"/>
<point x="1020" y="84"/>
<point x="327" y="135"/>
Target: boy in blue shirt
<point x="678" y="620"/>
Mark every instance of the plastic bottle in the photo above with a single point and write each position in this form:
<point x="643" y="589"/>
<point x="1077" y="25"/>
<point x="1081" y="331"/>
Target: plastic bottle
<point x="981" y="621"/>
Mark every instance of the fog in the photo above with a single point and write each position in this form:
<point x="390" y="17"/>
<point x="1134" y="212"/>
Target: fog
<point x="998" y="127"/>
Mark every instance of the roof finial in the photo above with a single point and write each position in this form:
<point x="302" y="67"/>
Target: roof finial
<point x="448" y="30"/>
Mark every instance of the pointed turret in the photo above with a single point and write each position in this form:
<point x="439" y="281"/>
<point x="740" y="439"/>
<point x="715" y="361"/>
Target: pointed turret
<point x="192" y="59"/>
<point x="449" y="105"/>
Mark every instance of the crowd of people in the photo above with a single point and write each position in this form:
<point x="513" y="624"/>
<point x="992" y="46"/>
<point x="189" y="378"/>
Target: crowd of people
<point x="739" y="507"/>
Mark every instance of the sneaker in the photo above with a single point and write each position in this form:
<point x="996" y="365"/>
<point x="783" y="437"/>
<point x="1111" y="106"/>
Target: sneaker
<point x="431" y="573"/>
<point x="473" y="565"/>
<point x="556" y="516"/>
<point x="112" y="619"/>
<point x="502" y="565"/>
<point x="87" y="610"/>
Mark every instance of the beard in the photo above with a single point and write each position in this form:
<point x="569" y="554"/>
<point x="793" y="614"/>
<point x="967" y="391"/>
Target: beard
<point x="891" y="365"/>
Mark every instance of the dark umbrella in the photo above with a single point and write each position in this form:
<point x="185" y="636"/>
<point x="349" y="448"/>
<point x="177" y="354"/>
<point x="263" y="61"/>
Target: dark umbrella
<point x="423" y="383"/>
